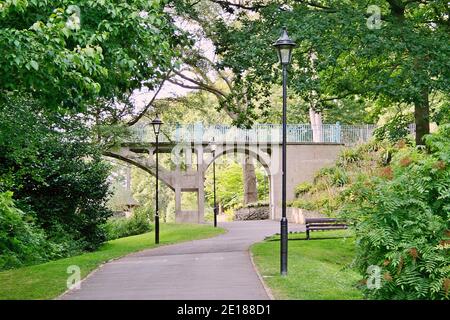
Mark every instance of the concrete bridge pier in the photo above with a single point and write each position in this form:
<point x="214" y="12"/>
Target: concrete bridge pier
<point x="192" y="179"/>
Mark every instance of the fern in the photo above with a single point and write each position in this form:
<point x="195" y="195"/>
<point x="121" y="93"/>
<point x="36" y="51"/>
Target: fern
<point x="402" y="223"/>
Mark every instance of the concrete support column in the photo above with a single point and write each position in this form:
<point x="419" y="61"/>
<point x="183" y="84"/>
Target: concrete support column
<point x="177" y="203"/>
<point x="201" y="185"/>
<point x="201" y="204"/>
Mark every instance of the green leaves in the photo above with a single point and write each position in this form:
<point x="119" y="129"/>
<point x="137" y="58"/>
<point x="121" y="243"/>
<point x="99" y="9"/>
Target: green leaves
<point x="400" y="211"/>
<point x="21" y="242"/>
<point x="407" y="56"/>
<point x="401" y="220"/>
<point x="70" y="56"/>
<point x="56" y="173"/>
<point x="34" y="65"/>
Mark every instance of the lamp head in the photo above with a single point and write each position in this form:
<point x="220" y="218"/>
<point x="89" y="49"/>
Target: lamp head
<point x="284" y="46"/>
<point x="156" y="123"/>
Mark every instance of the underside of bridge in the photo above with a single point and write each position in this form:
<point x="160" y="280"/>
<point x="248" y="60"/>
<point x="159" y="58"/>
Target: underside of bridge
<point x="191" y="160"/>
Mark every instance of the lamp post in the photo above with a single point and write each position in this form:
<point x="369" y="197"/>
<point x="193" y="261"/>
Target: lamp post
<point x="156" y="123"/>
<point x="284" y="46"/>
<point x="213" y="149"/>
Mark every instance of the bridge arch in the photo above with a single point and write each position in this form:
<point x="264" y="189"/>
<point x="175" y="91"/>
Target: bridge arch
<point x="262" y="156"/>
<point x="260" y="153"/>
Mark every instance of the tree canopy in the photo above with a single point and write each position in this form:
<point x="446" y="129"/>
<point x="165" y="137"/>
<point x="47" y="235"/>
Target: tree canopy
<point x="69" y="56"/>
<point x="399" y="57"/>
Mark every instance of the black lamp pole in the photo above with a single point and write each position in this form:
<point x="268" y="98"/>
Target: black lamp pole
<point x="157" y="191"/>
<point x="284" y="45"/>
<point x="156" y="123"/>
<point x="213" y="148"/>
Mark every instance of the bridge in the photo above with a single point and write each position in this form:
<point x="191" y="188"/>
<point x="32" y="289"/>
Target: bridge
<point x="191" y="152"/>
<point x="260" y="133"/>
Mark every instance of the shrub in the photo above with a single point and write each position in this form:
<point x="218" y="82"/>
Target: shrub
<point x="209" y="217"/>
<point x="56" y="173"/>
<point x="323" y="172"/>
<point x="333" y="176"/>
<point x="394" y="130"/>
<point x="402" y="222"/>
<point x="303" y="204"/>
<point x="339" y="177"/>
<point x="21" y="242"/>
<point x="138" y="223"/>
<point x="257" y="204"/>
<point x="302" y="188"/>
<point x="349" y="155"/>
<point x="442" y="114"/>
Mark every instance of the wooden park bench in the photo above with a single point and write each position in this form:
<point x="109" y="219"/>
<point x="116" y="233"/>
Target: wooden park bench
<point x="322" y="224"/>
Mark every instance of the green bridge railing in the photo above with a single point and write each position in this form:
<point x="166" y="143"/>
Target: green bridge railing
<point x="259" y="133"/>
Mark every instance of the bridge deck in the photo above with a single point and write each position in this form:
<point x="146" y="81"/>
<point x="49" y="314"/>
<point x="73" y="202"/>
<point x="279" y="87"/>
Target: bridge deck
<point x="167" y="147"/>
<point x="258" y="134"/>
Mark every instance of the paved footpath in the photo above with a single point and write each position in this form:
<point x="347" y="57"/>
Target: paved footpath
<point x="215" y="268"/>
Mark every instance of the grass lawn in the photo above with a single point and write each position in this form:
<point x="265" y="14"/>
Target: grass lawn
<point x="48" y="280"/>
<point x="317" y="269"/>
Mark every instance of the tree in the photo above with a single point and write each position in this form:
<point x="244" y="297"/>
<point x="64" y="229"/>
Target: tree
<point x="21" y="242"/>
<point x="69" y="56"/>
<point x="200" y="70"/>
<point x="56" y="174"/>
<point x="60" y="58"/>
<point x="401" y="59"/>
<point x="143" y="187"/>
<point x="230" y="185"/>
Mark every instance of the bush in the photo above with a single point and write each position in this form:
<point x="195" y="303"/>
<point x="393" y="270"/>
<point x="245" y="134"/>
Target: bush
<point x="348" y="156"/>
<point x="257" y="204"/>
<point x="339" y="178"/>
<point x="21" y="242"/>
<point x="124" y="227"/>
<point x="302" y="188"/>
<point x="303" y="204"/>
<point x="394" y="130"/>
<point x="56" y="173"/>
<point x="333" y="176"/>
<point x="402" y="222"/>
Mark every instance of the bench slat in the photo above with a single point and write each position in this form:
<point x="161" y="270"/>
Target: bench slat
<point x="312" y="225"/>
<point x="318" y="220"/>
<point x="328" y="228"/>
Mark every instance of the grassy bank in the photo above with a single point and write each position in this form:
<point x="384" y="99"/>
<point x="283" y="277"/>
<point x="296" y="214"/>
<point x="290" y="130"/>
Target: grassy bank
<point x="317" y="269"/>
<point x="48" y="280"/>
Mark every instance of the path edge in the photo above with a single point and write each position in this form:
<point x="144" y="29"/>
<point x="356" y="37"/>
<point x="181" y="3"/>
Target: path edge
<point x="261" y="279"/>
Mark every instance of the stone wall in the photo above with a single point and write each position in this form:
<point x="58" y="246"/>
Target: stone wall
<point x="252" y="213"/>
<point x="298" y="215"/>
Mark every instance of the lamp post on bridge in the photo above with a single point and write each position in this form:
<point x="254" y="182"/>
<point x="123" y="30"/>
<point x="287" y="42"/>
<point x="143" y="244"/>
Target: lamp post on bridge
<point x="213" y="149"/>
<point x="156" y="123"/>
<point x="284" y="46"/>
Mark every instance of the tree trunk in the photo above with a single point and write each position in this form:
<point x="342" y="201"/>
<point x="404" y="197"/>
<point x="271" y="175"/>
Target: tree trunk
<point x="315" y="119"/>
<point x="249" y="175"/>
<point x="422" y="117"/>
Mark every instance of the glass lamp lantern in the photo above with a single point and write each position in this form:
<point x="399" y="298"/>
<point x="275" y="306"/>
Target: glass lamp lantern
<point x="284" y="46"/>
<point x="156" y="123"/>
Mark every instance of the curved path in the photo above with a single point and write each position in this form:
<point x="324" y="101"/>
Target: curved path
<point x="214" y="268"/>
